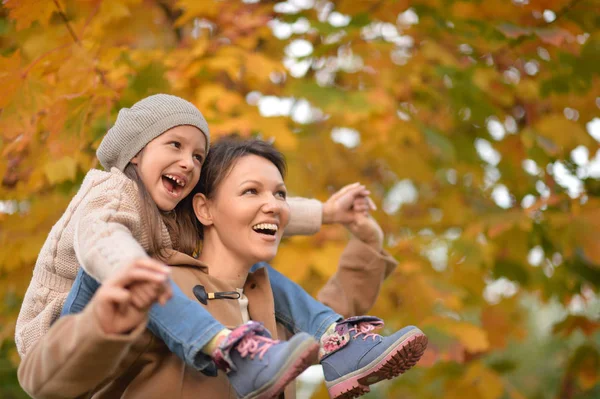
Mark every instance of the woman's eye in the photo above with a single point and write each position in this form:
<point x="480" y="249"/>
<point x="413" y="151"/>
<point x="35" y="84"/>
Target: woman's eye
<point x="281" y="194"/>
<point x="250" y="191"/>
<point x="175" y="144"/>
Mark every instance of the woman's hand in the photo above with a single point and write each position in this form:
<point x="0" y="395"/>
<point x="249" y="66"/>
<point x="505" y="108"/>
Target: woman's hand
<point x="122" y="302"/>
<point x="366" y="229"/>
<point x="342" y="206"/>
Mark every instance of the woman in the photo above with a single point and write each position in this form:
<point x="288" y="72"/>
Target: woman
<point x="246" y="194"/>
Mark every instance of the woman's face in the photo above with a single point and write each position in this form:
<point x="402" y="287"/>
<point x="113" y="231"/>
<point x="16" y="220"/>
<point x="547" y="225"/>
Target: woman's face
<point x="249" y="210"/>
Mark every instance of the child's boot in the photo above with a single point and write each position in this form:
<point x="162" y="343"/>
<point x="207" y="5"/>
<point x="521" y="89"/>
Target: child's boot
<point x="354" y="357"/>
<point x="259" y="367"/>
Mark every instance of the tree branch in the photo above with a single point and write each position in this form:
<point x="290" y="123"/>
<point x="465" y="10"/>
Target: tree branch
<point x="67" y="23"/>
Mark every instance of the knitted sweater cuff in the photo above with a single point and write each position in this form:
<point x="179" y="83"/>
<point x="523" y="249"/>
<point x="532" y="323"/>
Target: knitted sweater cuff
<point x="305" y="217"/>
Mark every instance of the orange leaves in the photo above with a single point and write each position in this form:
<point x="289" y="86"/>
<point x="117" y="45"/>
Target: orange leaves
<point x="584" y="366"/>
<point x="502" y="322"/>
<point x="24" y="13"/>
<point x="10" y="77"/>
<point x="553" y="36"/>
<point x="573" y="322"/>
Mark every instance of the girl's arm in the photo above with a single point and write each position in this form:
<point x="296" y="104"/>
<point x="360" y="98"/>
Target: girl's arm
<point x="307" y="215"/>
<point x="109" y="232"/>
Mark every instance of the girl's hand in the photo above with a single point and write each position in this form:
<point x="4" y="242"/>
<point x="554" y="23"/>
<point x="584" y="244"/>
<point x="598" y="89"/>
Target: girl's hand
<point x="340" y="207"/>
<point x="366" y="229"/>
<point x="122" y="301"/>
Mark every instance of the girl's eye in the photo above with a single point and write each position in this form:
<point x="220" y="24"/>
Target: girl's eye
<point x="281" y="194"/>
<point x="198" y="158"/>
<point x="250" y="191"/>
<point x="175" y="144"/>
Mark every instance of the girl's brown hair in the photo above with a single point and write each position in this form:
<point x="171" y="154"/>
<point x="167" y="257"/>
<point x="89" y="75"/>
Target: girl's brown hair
<point x="181" y="221"/>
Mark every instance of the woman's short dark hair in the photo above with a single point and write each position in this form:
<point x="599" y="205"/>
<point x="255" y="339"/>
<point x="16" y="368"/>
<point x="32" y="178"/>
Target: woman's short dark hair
<point x="224" y="154"/>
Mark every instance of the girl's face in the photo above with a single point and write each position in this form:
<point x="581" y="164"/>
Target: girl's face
<point x="249" y="210"/>
<point x="169" y="166"/>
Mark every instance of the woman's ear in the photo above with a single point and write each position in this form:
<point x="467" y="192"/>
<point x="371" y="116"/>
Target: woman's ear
<point x="201" y="209"/>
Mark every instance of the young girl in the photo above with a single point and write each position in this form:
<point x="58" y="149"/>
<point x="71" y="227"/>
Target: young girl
<point x="242" y="188"/>
<point x="153" y="155"/>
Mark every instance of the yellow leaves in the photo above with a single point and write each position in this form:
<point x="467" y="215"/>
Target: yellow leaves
<point x="488" y="79"/>
<point x="214" y="97"/>
<point x="276" y="128"/>
<point x="296" y="260"/>
<point x="476" y="382"/>
<point x="259" y="67"/>
<point x="197" y="9"/>
<point x="228" y="59"/>
<point x="113" y="10"/>
<point x="563" y="134"/>
<point x="528" y="89"/>
<point x="27" y="12"/>
<point x="474" y="338"/>
<point x="240" y="63"/>
<point x="436" y="53"/>
<point x="60" y="170"/>
<point x="109" y="13"/>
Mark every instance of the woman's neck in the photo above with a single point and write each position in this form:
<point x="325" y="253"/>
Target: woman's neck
<point x="223" y="264"/>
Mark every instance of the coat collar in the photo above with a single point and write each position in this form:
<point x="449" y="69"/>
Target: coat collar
<point x="189" y="271"/>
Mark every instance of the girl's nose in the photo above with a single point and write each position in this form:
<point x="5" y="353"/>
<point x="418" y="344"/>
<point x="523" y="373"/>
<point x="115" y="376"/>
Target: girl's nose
<point x="187" y="162"/>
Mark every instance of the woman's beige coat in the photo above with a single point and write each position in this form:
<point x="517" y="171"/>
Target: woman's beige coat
<point x="76" y="360"/>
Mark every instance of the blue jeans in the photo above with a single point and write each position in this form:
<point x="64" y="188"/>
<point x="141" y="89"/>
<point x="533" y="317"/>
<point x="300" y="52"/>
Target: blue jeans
<point x="295" y="309"/>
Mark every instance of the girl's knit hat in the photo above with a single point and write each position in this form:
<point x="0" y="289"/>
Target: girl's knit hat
<point x="143" y="122"/>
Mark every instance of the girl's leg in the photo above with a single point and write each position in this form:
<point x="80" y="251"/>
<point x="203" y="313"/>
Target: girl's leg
<point x="186" y="327"/>
<point x="350" y="365"/>
<point x="185" y="339"/>
<point x="295" y="308"/>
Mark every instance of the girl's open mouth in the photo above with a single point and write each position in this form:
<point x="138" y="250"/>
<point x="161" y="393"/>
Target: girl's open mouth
<point x="173" y="185"/>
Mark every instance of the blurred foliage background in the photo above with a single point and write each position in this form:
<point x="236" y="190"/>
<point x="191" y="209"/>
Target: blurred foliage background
<point x="474" y="123"/>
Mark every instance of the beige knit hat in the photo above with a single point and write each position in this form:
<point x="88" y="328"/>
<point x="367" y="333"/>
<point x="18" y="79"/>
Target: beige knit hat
<point x="143" y="122"/>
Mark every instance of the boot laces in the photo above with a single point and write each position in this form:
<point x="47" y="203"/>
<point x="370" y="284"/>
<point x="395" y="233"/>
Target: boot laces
<point x="365" y="328"/>
<point x="254" y="345"/>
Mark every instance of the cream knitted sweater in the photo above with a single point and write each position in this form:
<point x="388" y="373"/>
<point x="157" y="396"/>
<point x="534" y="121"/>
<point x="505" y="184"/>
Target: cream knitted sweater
<point x="102" y="230"/>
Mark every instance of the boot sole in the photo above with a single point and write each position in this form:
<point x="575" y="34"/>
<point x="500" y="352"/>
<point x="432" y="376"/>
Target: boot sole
<point x="304" y="356"/>
<point x="390" y="364"/>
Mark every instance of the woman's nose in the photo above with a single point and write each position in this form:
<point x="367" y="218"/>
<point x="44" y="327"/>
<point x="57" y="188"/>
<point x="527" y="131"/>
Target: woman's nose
<point x="272" y="205"/>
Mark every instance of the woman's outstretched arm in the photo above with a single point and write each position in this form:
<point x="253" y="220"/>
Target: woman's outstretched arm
<point x="363" y="266"/>
<point x="80" y="351"/>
